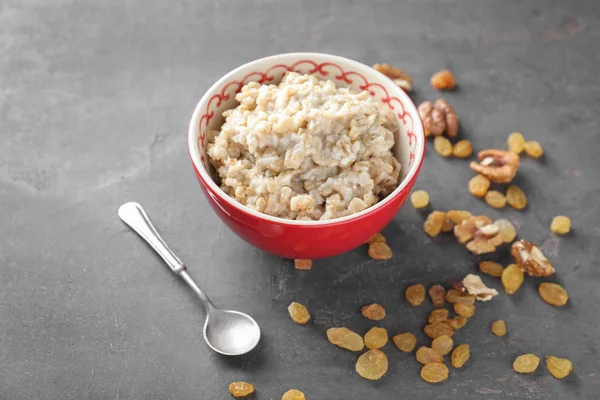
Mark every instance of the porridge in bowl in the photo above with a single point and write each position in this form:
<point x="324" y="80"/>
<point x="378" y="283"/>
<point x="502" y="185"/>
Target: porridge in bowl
<point x="305" y="150"/>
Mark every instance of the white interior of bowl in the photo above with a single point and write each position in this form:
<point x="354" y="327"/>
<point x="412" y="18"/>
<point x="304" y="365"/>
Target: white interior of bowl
<point x="410" y="139"/>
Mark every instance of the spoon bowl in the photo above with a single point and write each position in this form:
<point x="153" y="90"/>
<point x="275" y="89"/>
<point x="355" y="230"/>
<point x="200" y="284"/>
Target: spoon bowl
<point x="231" y="333"/>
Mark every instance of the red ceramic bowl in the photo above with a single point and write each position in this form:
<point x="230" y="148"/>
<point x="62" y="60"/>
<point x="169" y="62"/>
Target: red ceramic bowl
<point x="307" y="239"/>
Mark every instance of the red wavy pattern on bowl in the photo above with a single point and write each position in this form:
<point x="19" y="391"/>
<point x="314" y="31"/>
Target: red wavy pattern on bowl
<point x="374" y="89"/>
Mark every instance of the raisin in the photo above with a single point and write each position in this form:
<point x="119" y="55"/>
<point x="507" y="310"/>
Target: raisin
<point x="534" y="149"/>
<point x="499" y="328"/>
<point x="377" y="237"/>
<point x="442" y="146"/>
<point x="437" y="293"/>
<point x="491" y="268"/>
<point x="454" y="296"/>
<point x="553" y="294"/>
<point x="460" y="355"/>
<point x="526" y="363"/>
<point x="458" y="216"/>
<point x="345" y="338"/>
<point x="373" y="311"/>
<point x="241" y="389"/>
<point x="425" y="355"/>
<point x="380" y="251"/>
<point x="406" y="342"/>
<point x="448" y="225"/>
<point x="415" y="294"/>
<point x="419" y="199"/>
<point x="372" y="365"/>
<point x="464" y="310"/>
<point x="298" y="313"/>
<point x="376" y="338"/>
<point x="457" y="322"/>
<point x="516" y="197"/>
<point x="516" y="142"/>
<point x="512" y="278"/>
<point x="302" y="264"/>
<point x="434" y="373"/>
<point x="479" y="185"/>
<point x="442" y="344"/>
<point x="434" y="223"/>
<point x="560" y="225"/>
<point x="507" y="228"/>
<point x="559" y="367"/>
<point x="438" y="329"/>
<point x="443" y="80"/>
<point x="439" y="315"/>
<point x="462" y="149"/>
<point x="495" y="199"/>
<point x="293" y="394"/>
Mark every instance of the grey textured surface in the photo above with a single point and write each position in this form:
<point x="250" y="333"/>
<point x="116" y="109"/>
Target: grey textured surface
<point x="95" y="98"/>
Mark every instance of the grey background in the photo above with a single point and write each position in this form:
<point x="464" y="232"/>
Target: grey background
<point x="95" y="98"/>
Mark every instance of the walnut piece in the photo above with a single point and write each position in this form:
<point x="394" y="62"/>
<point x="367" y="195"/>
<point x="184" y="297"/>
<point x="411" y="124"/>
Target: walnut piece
<point x="480" y="234"/>
<point x="476" y="287"/>
<point x="400" y="78"/>
<point x="438" y="118"/>
<point x="530" y="259"/>
<point x="499" y="166"/>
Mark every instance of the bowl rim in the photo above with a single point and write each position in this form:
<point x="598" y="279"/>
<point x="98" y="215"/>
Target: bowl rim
<point x="207" y="180"/>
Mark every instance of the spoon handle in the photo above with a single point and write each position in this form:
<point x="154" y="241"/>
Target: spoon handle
<point x="134" y="215"/>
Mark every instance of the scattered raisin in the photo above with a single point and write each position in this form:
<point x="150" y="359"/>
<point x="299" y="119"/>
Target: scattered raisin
<point x="495" y="199"/>
<point x="372" y="365"/>
<point x="462" y="149"/>
<point x="442" y="344"/>
<point x="434" y="223"/>
<point x="293" y="394"/>
<point x="534" y="149"/>
<point x="298" y="313"/>
<point x="491" y="268"/>
<point x="512" y="278"/>
<point x="499" y="328"/>
<point x="380" y="251"/>
<point x="526" y="363"/>
<point x="345" y="338"/>
<point x="448" y="225"/>
<point x="443" y="80"/>
<point x="406" y="342"/>
<point x="516" y="142"/>
<point x="560" y="225"/>
<point x="426" y="355"/>
<point x="302" y="264"/>
<point x="241" y="389"/>
<point x="377" y="237"/>
<point x="373" y="311"/>
<point x="434" y="372"/>
<point x="516" y="197"/>
<point x="507" y="228"/>
<point x="553" y="294"/>
<point x="415" y="294"/>
<point x="454" y="296"/>
<point x="460" y="355"/>
<point x="376" y="338"/>
<point x="439" y="315"/>
<point x="458" y="216"/>
<point x="437" y="293"/>
<point x="559" y="367"/>
<point x="479" y="185"/>
<point x="438" y="329"/>
<point x="443" y="146"/>
<point x="419" y="199"/>
<point x="457" y="322"/>
<point x="464" y="310"/>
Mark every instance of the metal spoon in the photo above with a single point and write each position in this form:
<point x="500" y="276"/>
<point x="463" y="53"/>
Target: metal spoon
<point x="227" y="332"/>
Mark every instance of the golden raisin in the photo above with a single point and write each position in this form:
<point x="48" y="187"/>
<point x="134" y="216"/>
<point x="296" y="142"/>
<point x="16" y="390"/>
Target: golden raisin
<point x="534" y="149"/>
<point x="437" y="293"/>
<point x="526" y="363"/>
<point x="376" y="338"/>
<point x="495" y="199"/>
<point x="499" y="328"/>
<point x="512" y="278"/>
<point x="448" y="225"/>
<point x="372" y="365"/>
<point x="405" y="342"/>
<point x="434" y="372"/>
<point x="559" y="367"/>
<point x="241" y="389"/>
<point x="479" y="185"/>
<point x="454" y="296"/>
<point x="434" y="223"/>
<point x="464" y="310"/>
<point x="380" y="251"/>
<point x="439" y="315"/>
<point x="293" y="394"/>
<point x="516" y="142"/>
<point x="553" y="294"/>
<point x="345" y="338"/>
<point x="457" y="322"/>
<point x="438" y="329"/>
<point x="443" y="80"/>
<point x="442" y="146"/>
<point x="419" y="199"/>
<point x="442" y="344"/>
<point x="516" y="197"/>
<point x="458" y="216"/>
<point x="462" y="149"/>
<point x="507" y="228"/>
<point x="302" y="264"/>
<point x="298" y="313"/>
<point x="491" y="268"/>
<point x="425" y="355"/>
<point x="460" y="355"/>
<point x="373" y="311"/>
<point x="377" y="237"/>
<point x="560" y="225"/>
<point x="415" y="294"/>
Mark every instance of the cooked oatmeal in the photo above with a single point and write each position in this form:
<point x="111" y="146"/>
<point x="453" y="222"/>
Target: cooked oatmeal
<point x="305" y="149"/>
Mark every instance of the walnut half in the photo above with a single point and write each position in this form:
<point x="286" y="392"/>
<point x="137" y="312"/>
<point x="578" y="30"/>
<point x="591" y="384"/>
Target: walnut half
<point x="400" y="78"/>
<point x="438" y="118"/>
<point x="480" y="234"/>
<point x="530" y="259"/>
<point x="498" y="166"/>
